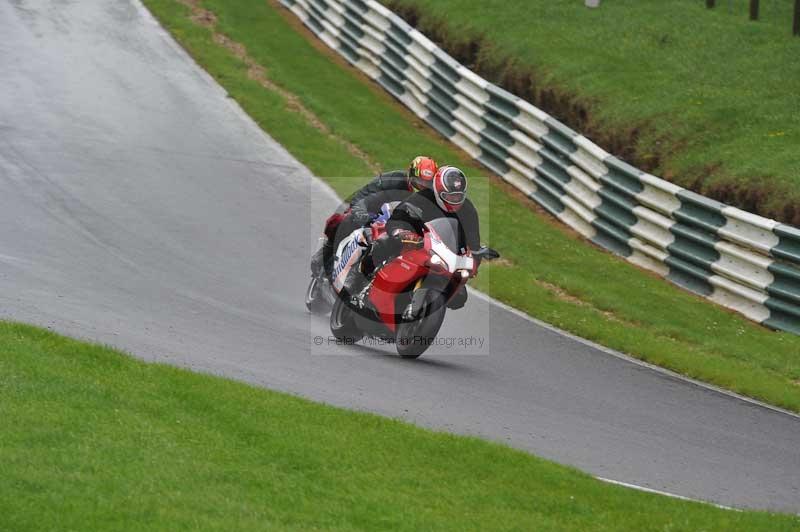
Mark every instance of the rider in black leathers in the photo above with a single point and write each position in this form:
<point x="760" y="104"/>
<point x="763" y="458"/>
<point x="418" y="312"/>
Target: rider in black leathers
<point x="446" y="199"/>
<point x="421" y="207"/>
<point x="366" y="202"/>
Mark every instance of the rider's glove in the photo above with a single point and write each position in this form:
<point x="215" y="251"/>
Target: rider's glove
<point x="367" y="238"/>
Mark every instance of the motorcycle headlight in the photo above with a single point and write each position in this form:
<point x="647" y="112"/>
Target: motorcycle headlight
<point x="436" y="263"/>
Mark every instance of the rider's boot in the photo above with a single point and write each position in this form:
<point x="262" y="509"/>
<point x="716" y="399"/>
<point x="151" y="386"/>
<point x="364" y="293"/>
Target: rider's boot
<point x="353" y="285"/>
<point x="360" y="300"/>
<point x="319" y="265"/>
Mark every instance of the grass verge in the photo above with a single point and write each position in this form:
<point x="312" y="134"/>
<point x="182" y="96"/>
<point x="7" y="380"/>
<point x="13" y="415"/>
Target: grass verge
<point x="547" y="272"/>
<point x="705" y="98"/>
<point x="96" y="440"/>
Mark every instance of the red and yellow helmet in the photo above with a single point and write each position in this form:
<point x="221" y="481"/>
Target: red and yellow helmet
<point x="421" y="172"/>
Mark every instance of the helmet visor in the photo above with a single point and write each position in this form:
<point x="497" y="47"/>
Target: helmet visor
<point x="453" y="198"/>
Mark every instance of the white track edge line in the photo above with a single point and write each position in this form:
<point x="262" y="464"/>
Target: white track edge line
<point x="665" y="493"/>
<point x="631" y="359"/>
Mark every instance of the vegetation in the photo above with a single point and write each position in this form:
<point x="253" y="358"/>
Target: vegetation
<point x="96" y="440"/>
<point x="705" y="98"/>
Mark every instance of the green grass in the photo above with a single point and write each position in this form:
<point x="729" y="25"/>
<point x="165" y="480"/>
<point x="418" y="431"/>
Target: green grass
<point x="92" y="439"/>
<point x="705" y="89"/>
<point x="609" y="301"/>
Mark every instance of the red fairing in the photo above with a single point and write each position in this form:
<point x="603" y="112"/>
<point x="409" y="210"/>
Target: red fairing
<point x="392" y="279"/>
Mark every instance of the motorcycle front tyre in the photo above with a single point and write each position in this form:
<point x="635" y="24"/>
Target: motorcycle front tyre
<point x="343" y="323"/>
<point x="413" y="338"/>
<point x="316" y="300"/>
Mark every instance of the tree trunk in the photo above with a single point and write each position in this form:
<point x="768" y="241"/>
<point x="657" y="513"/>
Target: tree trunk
<point x="754" y="5"/>
<point x="796" y="23"/>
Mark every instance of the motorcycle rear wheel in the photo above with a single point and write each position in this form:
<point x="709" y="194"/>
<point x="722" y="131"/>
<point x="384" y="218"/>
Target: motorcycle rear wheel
<point x="343" y="323"/>
<point x="413" y="338"/>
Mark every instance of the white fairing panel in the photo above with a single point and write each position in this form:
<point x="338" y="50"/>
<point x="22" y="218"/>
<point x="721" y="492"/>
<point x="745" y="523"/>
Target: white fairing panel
<point x="454" y="261"/>
<point x="347" y="254"/>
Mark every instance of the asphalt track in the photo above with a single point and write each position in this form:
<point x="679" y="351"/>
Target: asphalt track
<point x="141" y="208"/>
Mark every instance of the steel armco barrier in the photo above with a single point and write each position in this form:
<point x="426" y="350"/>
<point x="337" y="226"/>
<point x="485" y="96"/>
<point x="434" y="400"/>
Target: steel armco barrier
<point x="739" y="260"/>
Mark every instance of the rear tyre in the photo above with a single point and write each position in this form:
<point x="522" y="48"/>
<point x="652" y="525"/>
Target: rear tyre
<point x="343" y="322"/>
<point x="316" y="301"/>
<point x="415" y="337"/>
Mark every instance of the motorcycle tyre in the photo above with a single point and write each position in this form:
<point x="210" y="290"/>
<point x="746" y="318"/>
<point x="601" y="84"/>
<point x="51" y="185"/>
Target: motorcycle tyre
<point x="413" y="338"/>
<point x="343" y="323"/>
<point x="316" y="302"/>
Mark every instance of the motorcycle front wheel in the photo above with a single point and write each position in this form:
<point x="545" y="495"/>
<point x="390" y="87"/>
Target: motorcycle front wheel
<point x="316" y="301"/>
<point x="415" y="337"/>
<point x="343" y="323"/>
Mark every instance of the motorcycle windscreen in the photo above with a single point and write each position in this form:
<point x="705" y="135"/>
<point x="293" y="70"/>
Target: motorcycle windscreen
<point x="447" y="230"/>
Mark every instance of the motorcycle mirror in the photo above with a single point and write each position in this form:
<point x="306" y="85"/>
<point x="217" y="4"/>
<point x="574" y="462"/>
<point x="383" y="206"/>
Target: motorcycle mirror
<point x="487" y="253"/>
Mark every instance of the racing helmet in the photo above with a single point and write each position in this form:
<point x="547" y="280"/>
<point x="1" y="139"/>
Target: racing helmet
<point x="450" y="188"/>
<point x="421" y="172"/>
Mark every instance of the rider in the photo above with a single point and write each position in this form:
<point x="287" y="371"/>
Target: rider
<point x="447" y="198"/>
<point x="367" y="201"/>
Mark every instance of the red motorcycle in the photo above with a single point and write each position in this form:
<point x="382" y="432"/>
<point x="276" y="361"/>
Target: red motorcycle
<point x="409" y="295"/>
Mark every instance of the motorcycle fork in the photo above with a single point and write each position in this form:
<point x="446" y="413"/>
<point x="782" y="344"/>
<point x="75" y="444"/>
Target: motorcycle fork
<point x="422" y="289"/>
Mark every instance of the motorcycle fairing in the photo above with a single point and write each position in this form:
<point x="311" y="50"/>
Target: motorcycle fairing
<point x="454" y="261"/>
<point x="393" y="279"/>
